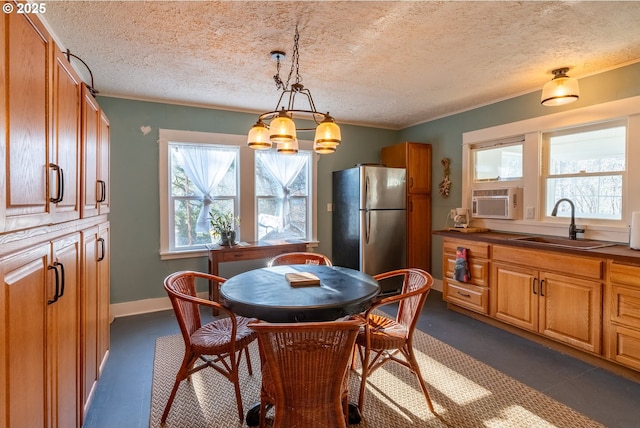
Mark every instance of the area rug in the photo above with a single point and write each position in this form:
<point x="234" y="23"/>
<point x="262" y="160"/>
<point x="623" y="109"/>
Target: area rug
<point x="465" y="392"/>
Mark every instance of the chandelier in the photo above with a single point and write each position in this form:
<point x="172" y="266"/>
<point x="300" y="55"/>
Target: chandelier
<point x="278" y="127"/>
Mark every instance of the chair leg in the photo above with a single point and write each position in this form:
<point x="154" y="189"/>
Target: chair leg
<point x="182" y="374"/>
<point x="249" y="368"/>
<point x="235" y="379"/>
<point x="363" y="378"/>
<point x="416" y="369"/>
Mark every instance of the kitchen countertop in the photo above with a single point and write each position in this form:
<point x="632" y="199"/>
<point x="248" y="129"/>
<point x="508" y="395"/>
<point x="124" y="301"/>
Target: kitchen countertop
<point x="618" y="252"/>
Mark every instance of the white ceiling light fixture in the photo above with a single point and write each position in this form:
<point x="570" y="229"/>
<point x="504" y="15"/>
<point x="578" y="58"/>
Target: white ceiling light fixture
<point x="278" y="126"/>
<point x="561" y="90"/>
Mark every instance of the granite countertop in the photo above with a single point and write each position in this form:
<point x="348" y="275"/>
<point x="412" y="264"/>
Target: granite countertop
<point x="617" y="252"/>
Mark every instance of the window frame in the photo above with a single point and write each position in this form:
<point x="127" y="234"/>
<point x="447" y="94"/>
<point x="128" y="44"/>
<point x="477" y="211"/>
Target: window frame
<point x="247" y="209"/>
<point x="626" y="110"/>
<point x="546" y="166"/>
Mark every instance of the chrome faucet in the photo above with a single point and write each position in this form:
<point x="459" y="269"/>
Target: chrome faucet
<point x="573" y="230"/>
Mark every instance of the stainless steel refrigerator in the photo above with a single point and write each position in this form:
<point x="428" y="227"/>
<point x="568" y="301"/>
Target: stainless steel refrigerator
<point x="369" y="220"/>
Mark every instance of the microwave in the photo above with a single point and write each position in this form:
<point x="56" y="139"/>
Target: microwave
<point x="501" y="203"/>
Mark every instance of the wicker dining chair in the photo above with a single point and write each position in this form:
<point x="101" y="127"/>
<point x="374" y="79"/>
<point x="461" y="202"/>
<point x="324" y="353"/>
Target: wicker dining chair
<point x="300" y="258"/>
<point x="305" y="372"/>
<point x="385" y="339"/>
<point x="219" y="344"/>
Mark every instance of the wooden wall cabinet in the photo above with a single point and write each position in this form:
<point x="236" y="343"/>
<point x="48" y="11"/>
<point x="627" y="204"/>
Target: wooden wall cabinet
<point x="559" y="297"/>
<point x="624" y="320"/>
<point x="52" y="136"/>
<point x="95" y="308"/>
<point x="25" y="66"/>
<point x="95" y="157"/>
<point x="473" y="294"/>
<point x="416" y="158"/>
<point x="39" y="364"/>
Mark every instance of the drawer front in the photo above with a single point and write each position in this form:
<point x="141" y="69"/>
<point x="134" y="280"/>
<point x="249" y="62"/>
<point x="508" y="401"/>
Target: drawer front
<point x="474" y="249"/>
<point x="479" y="270"/>
<point x="624" y="346"/>
<point x="247" y="253"/>
<point x="623" y="274"/>
<point x="544" y="260"/>
<point x="625" y="305"/>
<point x="467" y="295"/>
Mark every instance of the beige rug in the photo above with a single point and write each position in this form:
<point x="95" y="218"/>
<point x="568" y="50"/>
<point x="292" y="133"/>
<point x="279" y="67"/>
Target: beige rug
<point x="465" y="393"/>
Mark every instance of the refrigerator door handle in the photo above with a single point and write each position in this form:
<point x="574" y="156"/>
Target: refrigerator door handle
<point x="366" y="192"/>
<point x="367" y="226"/>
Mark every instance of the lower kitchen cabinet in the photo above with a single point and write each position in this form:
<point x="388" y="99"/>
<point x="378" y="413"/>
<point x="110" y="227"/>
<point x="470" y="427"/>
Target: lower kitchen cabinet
<point x="39" y="361"/>
<point x="473" y="294"/>
<point x="624" y="321"/>
<point x="95" y="307"/>
<point x="556" y="304"/>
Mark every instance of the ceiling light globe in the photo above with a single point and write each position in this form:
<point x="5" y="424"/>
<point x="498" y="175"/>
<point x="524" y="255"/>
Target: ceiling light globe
<point x="282" y="128"/>
<point x="258" y="138"/>
<point x="288" y="148"/>
<point x="328" y="133"/>
<point x="561" y="90"/>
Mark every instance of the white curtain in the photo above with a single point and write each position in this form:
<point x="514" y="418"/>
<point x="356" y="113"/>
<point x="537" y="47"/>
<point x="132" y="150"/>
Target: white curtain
<point x="285" y="168"/>
<point x="205" y="167"/>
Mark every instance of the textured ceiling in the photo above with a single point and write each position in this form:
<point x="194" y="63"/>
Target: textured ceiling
<point x="385" y="64"/>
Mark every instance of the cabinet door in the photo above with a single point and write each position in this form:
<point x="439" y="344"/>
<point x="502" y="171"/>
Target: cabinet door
<point x="419" y="231"/>
<point x="90" y="130"/>
<point x="25" y="64"/>
<point x="514" y="295"/>
<point x="64" y="336"/>
<point x="23" y="340"/>
<point x="103" y="164"/>
<point x="65" y="153"/>
<point x="89" y="313"/>
<point x="104" y="318"/>
<point x="419" y="168"/>
<point x="571" y="310"/>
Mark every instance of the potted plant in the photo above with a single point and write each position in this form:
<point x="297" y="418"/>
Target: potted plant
<point x="223" y="226"/>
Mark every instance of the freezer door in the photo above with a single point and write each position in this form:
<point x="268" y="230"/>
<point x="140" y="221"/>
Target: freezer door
<point x="383" y="241"/>
<point x="382" y="188"/>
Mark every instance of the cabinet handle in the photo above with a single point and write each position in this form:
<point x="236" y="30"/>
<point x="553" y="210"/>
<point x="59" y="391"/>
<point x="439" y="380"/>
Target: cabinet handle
<point x="60" y="182"/>
<point x="542" y="288"/>
<point x="411" y="182"/>
<point x="103" y="191"/>
<point x="102" y="249"/>
<point x="464" y="295"/>
<point x="57" y="293"/>
<point x="533" y="285"/>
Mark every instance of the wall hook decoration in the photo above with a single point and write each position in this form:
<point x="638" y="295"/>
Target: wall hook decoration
<point x="445" y="184"/>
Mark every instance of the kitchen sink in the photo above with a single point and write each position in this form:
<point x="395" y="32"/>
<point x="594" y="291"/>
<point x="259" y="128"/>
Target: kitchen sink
<point x="583" y="244"/>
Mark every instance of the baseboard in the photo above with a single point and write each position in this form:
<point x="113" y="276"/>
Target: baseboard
<point x="437" y="285"/>
<point x="145" y="306"/>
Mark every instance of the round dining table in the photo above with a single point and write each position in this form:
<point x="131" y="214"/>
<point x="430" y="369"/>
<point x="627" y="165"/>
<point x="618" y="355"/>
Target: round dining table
<point x="299" y="293"/>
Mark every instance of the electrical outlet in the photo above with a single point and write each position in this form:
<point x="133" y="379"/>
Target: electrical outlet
<point x="531" y="213"/>
<point x="329" y="207"/>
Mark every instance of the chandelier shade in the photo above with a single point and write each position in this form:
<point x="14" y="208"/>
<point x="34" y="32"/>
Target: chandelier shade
<point x="279" y="127"/>
<point x="258" y="137"/>
<point x="282" y="128"/>
<point x="560" y="90"/>
<point x="288" y="147"/>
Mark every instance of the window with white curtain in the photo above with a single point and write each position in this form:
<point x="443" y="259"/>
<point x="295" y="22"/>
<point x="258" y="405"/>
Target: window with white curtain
<point x="204" y="177"/>
<point x="282" y="195"/>
<point x="272" y="194"/>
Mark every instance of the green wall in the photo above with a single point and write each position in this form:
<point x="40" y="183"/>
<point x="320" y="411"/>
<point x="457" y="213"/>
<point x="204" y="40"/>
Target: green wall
<point x="136" y="269"/>
<point x="445" y="134"/>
